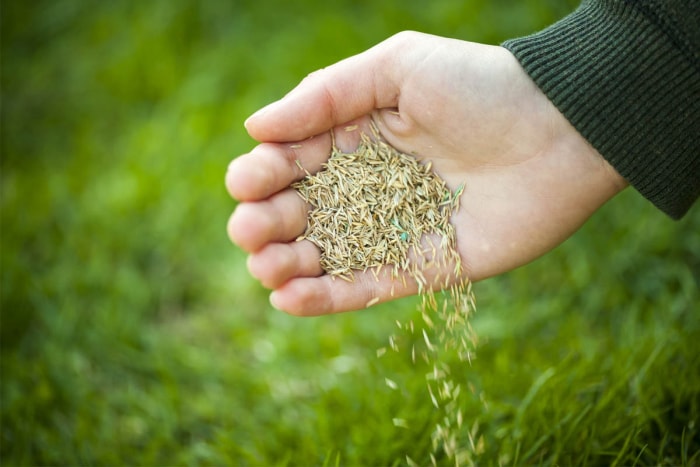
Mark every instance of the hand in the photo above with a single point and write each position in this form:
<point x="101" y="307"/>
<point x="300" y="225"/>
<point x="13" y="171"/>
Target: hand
<point x="530" y="179"/>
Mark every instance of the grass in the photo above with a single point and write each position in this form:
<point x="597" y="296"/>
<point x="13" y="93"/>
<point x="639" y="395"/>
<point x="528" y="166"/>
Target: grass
<point x="131" y="332"/>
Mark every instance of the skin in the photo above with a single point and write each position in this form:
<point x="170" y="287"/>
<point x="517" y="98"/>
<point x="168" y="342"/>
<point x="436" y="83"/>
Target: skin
<point x="530" y="179"/>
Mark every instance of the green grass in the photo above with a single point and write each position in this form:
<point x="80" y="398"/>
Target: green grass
<point x="131" y="333"/>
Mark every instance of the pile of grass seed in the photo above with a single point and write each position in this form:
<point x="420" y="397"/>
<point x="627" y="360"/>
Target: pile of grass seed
<point x="377" y="207"/>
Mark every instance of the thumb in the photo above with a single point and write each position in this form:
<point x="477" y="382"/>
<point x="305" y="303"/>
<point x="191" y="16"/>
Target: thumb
<point x="331" y="96"/>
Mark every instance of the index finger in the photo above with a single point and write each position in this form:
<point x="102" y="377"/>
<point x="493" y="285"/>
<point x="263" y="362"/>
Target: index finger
<point x="336" y="94"/>
<point x="272" y="167"/>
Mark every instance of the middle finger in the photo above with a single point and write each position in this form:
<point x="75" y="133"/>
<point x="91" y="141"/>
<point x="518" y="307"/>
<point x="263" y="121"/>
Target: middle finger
<point x="280" y="218"/>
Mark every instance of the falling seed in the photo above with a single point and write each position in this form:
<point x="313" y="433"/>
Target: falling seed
<point x="392" y="344"/>
<point x="400" y="422"/>
<point x="432" y="398"/>
<point x="428" y="344"/>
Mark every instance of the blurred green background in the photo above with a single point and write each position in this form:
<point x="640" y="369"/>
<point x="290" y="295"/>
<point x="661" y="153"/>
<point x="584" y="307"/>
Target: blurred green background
<point x="133" y="335"/>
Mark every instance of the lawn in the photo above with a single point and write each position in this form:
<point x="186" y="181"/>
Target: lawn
<point x="132" y="334"/>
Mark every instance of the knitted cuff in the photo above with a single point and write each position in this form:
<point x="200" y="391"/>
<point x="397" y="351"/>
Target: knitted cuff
<point x="631" y="88"/>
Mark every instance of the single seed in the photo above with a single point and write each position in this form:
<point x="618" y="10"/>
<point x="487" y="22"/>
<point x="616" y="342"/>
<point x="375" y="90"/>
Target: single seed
<point x="400" y="422"/>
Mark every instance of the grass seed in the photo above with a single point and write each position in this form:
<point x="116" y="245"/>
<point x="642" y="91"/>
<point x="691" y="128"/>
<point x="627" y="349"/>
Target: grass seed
<point x="377" y="207"/>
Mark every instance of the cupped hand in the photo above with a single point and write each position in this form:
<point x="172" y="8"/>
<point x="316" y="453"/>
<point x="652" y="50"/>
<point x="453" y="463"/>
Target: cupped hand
<point x="530" y="179"/>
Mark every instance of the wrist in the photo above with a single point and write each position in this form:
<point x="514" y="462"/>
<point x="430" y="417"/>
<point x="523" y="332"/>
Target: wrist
<point x="623" y="75"/>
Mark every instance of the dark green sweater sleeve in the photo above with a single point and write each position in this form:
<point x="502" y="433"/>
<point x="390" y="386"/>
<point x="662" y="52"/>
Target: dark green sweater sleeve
<point x="626" y="74"/>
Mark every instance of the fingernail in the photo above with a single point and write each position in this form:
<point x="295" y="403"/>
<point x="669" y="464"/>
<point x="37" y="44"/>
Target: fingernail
<point x="273" y="297"/>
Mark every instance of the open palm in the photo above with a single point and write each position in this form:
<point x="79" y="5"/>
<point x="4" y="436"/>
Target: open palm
<point x="530" y="179"/>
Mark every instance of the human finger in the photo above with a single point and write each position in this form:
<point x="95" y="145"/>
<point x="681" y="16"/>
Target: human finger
<point x="277" y="263"/>
<point x="337" y="94"/>
<point x="315" y="296"/>
<point x="271" y="167"/>
<point x="280" y="218"/>
<point x="429" y="264"/>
